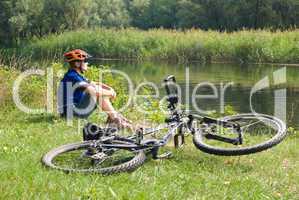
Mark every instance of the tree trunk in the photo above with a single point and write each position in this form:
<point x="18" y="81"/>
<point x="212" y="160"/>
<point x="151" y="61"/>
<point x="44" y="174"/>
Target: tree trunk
<point x="257" y="10"/>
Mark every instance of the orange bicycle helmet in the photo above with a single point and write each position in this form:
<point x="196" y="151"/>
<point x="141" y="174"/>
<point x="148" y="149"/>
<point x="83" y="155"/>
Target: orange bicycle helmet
<point x="76" y="54"/>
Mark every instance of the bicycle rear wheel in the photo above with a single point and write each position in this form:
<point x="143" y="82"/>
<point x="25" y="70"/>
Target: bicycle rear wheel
<point x="259" y="132"/>
<point x="77" y="157"/>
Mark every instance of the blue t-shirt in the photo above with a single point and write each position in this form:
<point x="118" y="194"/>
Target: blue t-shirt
<point x="71" y="90"/>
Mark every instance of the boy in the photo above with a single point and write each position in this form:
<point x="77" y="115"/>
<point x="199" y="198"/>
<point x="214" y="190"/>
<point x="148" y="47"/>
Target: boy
<point x="79" y="97"/>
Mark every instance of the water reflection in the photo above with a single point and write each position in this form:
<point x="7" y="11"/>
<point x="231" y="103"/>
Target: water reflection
<point x="236" y="95"/>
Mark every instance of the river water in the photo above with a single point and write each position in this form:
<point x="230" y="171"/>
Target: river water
<point x="227" y="84"/>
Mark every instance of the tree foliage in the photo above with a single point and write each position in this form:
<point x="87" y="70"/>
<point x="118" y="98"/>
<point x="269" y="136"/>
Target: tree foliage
<point x="20" y="19"/>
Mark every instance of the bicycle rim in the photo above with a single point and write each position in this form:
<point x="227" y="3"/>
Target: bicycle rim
<point x="78" y="157"/>
<point x="259" y="132"/>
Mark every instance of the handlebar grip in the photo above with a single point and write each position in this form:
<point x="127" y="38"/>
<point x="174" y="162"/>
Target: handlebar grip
<point x="170" y="78"/>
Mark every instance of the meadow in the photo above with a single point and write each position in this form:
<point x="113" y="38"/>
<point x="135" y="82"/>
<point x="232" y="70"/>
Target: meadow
<point x="190" y="174"/>
<point x="245" y="46"/>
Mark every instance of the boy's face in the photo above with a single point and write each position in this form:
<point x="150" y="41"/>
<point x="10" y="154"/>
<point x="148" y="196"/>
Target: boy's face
<point x="82" y="65"/>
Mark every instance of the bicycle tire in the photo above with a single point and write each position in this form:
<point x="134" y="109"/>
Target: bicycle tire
<point x="277" y="138"/>
<point x="129" y="165"/>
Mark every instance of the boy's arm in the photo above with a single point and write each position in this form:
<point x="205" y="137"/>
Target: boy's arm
<point x="93" y="88"/>
<point x="99" y="91"/>
<point x="107" y="87"/>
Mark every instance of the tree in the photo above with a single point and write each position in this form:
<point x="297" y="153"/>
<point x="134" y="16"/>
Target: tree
<point x="112" y="13"/>
<point x="162" y="13"/>
<point x="189" y="14"/>
<point x="23" y="19"/>
<point x="139" y="13"/>
<point x="75" y="13"/>
<point x="5" y="31"/>
<point x="263" y="14"/>
<point x="214" y="14"/>
<point x="20" y="18"/>
<point x="287" y="12"/>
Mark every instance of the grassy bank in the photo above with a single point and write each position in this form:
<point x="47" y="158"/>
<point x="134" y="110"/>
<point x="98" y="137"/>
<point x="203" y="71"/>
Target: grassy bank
<point x="204" y="46"/>
<point x="190" y="174"/>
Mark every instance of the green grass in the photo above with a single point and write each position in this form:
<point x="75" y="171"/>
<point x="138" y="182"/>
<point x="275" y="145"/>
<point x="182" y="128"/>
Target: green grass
<point x="190" y="174"/>
<point x="205" y="46"/>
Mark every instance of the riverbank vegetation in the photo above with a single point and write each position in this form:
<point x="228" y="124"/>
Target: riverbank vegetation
<point x="158" y="44"/>
<point x="176" y="30"/>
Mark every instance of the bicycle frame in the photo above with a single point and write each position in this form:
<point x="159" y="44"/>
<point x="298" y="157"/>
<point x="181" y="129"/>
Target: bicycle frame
<point x="178" y="123"/>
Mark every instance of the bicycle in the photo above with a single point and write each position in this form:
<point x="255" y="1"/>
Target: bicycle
<point x="106" y="152"/>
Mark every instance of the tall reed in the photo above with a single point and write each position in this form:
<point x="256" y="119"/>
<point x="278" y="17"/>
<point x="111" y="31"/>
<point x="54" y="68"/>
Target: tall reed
<point x="156" y="44"/>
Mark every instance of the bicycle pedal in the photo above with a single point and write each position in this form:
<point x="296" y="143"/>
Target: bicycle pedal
<point x="165" y="155"/>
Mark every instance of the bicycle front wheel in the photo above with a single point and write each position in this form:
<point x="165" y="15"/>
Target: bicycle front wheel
<point x="77" y="157"/>
<point x="259" y="132"/>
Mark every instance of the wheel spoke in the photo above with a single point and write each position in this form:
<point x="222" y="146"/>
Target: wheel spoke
<point x="78" y="159"/>
<point x="259" y="132"/>
<point x="248" y="125"/>
<point x="85" y="157"/>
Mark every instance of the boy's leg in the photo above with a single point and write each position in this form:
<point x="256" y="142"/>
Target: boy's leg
<point x="113" y="117"/>
<point x="107" y="107"/>
<point x="85" y="107"/>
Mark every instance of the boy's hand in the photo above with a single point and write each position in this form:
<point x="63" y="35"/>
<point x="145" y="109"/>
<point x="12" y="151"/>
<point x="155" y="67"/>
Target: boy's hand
<point x="113" y="94"/>
<point x="105" y="89"/>
<point x="104" y="86"/>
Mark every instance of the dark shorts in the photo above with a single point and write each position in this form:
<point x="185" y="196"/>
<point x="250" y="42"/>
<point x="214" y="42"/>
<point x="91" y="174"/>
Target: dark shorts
<point x="85" y="107"/>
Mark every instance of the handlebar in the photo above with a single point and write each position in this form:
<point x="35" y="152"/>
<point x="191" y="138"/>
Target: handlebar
<point x="171" y="90"/>
<point x="170" y="80"/>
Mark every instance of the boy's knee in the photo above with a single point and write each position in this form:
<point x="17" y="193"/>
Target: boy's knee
<point x="102" y="98"/>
